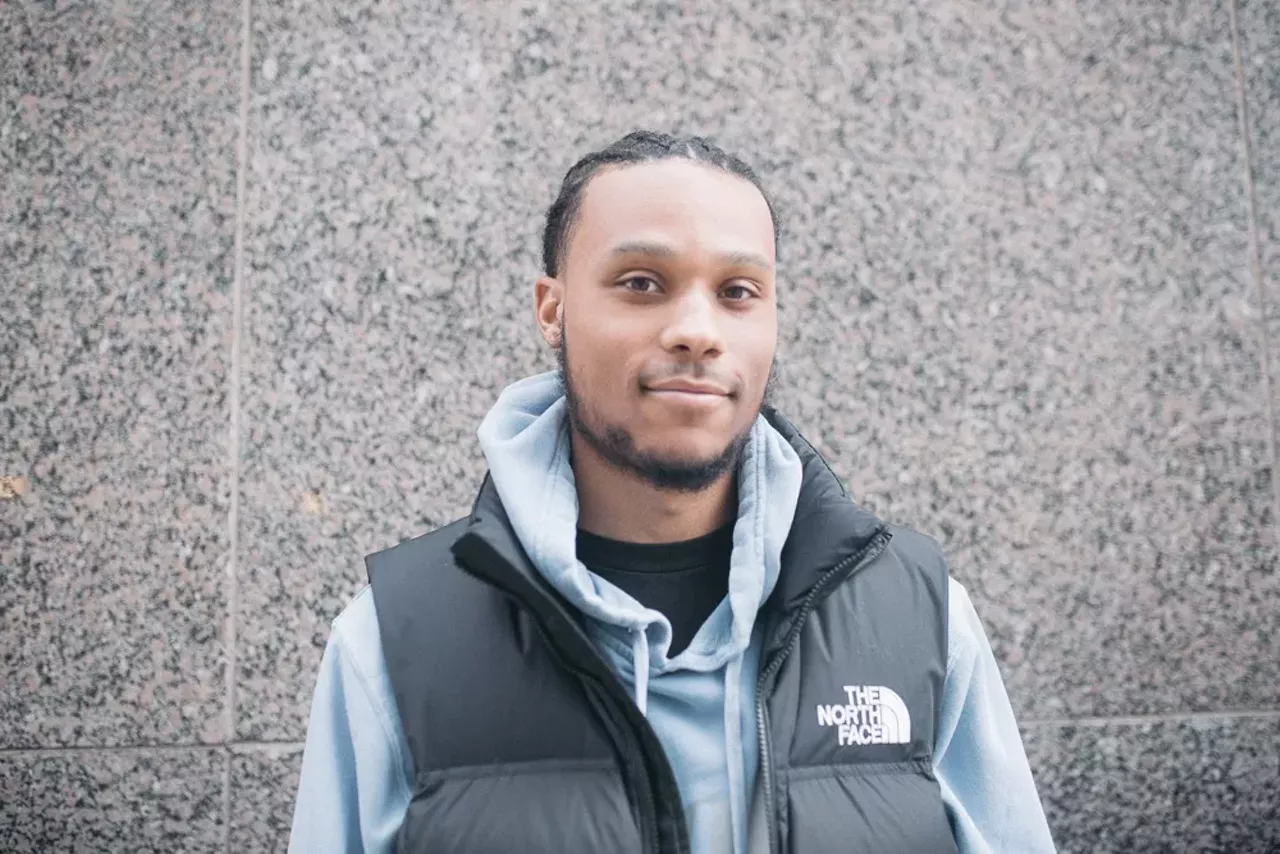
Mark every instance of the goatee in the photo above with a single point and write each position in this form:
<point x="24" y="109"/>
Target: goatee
<point x="615" y="444"/>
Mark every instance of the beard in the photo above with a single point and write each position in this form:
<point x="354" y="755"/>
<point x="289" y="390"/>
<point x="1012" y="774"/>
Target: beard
<point x="615" y="444"/>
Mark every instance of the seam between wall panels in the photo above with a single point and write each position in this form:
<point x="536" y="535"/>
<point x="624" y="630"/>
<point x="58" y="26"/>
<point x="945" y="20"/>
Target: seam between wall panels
<point x="239" y="748"/>
<point x="237" y="317"/>
<point x="1255" y="262"/>
<point x="1171" y="718"/>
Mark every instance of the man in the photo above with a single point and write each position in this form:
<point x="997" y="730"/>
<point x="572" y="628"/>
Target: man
<point x="663" y="627"/>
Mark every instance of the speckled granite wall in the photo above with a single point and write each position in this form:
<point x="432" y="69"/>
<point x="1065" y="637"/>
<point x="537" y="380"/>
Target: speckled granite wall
<point x="252" y="307"/>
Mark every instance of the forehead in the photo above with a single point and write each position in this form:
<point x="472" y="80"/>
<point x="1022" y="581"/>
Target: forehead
<point x="689" y="205"/>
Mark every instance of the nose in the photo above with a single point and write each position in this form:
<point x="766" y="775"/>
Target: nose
<point x="693" y="328"/>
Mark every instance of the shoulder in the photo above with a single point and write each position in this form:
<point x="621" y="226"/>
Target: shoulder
<point x="398" y="574"/>
<point x="922" y="553"/>
<point x="921" y="556"/>
<point x="356" y="641"/>
<point x="915" y="547"/>
<point x="358" y="620"/>
<point x="965" y="634"/>
<point x="356" y="638"/>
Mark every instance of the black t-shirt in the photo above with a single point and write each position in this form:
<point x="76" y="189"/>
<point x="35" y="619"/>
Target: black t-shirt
<point x="683" y="581"/>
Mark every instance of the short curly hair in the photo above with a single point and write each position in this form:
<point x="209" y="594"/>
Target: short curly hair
<point x="636" y="147"/>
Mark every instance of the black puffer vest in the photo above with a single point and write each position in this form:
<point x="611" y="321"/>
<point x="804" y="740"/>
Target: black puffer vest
<point x="525" y="740"/>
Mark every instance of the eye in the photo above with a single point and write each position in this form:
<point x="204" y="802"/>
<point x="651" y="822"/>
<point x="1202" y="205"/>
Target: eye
<point x="746" y="293"/>
<point x="644" y="280"/>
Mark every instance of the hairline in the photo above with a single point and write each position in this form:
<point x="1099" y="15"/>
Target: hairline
<point x="574" y="208"/>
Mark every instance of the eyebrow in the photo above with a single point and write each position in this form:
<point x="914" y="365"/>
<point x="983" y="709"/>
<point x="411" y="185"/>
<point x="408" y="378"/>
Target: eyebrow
<point x="663" y="250"/>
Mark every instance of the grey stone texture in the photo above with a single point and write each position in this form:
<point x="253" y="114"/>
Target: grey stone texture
<point x="1205" y="785"/>
<point x="264" y="781"/>
<point x="1029" y="275"/>
<point x="117" y="197"/>
<point x="157" y="800"/>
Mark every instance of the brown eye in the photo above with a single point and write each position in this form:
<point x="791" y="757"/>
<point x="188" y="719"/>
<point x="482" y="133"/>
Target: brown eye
<point x="746" y="293"/>
<point x="627" y="283"/>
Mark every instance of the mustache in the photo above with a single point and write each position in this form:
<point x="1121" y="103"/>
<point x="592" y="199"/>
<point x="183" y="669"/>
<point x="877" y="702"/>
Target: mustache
<point x="697" y="373"/>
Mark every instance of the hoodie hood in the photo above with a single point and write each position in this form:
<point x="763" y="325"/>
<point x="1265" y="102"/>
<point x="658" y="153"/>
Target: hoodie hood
<point x="525" y="439"/>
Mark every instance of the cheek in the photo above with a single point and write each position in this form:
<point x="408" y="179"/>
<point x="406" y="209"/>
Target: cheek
<point x="601" y="372"/>
<point x="760" y="352"/>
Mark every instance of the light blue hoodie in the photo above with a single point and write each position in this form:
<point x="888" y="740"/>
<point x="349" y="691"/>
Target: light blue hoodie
<point x="357" y="773"/>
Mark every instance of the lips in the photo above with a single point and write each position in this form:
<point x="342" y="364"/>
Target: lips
<point x="689" y="387"/>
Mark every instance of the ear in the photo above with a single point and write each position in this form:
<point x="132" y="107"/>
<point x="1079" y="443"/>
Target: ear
<point x="548" y="308"/>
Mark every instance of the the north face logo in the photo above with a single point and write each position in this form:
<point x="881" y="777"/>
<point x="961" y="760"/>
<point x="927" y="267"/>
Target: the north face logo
<point x="872" y="715"/>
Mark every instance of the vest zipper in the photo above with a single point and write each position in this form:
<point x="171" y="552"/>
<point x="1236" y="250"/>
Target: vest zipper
<point x="858" y="560"/>
<point x="644" y="791"/>
<point x="610" y="689"/>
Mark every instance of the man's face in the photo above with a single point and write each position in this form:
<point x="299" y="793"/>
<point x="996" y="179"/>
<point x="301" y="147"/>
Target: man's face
<point x="670" y="319"/>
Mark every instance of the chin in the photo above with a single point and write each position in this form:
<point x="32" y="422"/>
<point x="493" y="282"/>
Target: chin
<point x="686" y="450"/>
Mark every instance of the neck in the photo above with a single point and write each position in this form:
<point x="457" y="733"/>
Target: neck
<point x="619" y="505"/>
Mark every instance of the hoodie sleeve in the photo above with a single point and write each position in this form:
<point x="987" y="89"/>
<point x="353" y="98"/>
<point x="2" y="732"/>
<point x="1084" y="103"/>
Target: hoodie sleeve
<point x="979" y="760"/>
<point x="355" y="784"/>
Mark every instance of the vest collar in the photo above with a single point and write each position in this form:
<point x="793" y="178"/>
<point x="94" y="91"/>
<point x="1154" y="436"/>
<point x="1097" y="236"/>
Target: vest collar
<point x="490" y="550"/>
<point x="827" y="528"/>
<point x="828" y="525"/>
